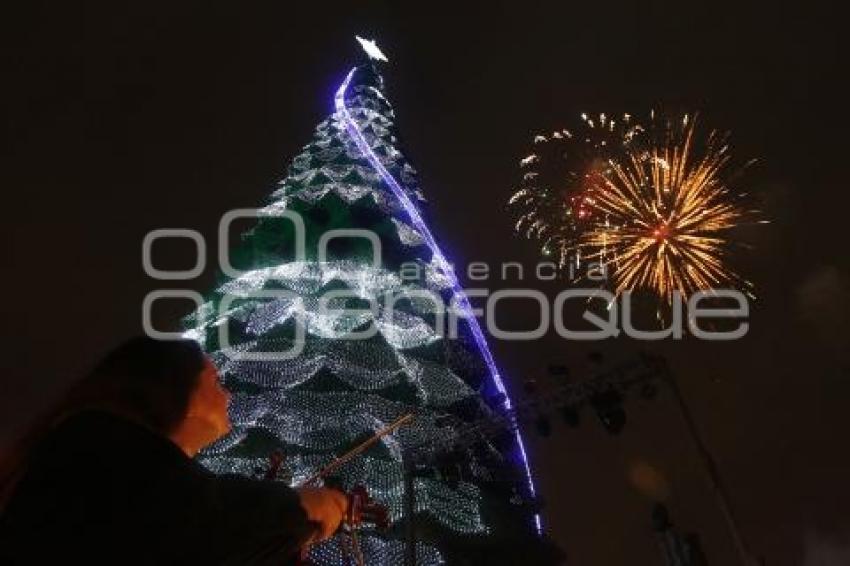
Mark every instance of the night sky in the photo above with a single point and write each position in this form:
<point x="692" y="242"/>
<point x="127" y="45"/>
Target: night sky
<point x="119" y="120"/>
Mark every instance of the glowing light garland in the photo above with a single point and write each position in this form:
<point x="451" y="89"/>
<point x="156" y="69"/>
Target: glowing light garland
<point x="422" y="228"/>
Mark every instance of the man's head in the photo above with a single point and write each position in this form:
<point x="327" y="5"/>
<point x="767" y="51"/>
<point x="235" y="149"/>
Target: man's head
<point x="170" y="386"/>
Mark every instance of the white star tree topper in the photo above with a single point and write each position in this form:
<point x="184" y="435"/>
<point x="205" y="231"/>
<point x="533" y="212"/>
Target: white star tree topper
<point x="371" y="49"/>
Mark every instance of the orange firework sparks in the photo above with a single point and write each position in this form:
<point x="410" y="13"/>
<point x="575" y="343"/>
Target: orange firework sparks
<point x="664" y="214"/>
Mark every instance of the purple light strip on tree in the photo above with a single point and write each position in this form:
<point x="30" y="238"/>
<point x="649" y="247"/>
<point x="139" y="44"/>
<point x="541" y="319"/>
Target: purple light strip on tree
<point x="445" y="267"/>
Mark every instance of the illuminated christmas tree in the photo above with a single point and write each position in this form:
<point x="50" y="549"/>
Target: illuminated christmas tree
<point x="474" y="505"/>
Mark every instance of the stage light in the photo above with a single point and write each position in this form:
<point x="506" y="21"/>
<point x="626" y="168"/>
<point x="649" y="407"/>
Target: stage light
<point x="570" y="416"/>
<point x="543" y="426"/>
<point x="609" y="410"/>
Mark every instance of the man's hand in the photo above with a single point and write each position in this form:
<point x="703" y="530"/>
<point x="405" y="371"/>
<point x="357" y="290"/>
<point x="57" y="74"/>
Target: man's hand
<point x="324" y="506"/>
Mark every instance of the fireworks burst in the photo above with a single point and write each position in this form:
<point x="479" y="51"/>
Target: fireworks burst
<point x="562" y="177"/>
<point x="661" y="222"/>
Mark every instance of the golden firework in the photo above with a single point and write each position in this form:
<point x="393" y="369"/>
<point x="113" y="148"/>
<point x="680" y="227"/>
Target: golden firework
<point x="663" y="218"/>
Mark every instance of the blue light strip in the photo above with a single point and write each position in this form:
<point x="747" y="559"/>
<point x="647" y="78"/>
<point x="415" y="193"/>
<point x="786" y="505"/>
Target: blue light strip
<point x="445" y="267"/>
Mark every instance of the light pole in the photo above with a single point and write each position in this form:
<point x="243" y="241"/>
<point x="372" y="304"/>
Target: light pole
<point x="712" y="474"/>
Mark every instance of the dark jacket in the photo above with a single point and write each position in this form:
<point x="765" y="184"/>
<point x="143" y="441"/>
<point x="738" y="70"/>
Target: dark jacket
<point x="100" y="489"/>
